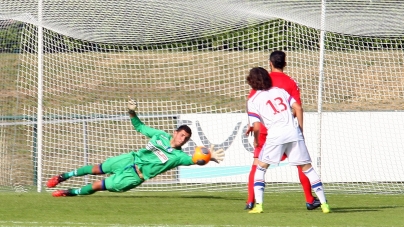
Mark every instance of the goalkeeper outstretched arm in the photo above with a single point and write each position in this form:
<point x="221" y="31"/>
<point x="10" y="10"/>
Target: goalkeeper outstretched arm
<point x="137" y="123"/>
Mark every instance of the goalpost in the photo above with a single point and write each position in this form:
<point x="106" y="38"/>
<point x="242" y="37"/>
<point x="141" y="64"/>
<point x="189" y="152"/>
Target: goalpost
<point x="67" y="68"/>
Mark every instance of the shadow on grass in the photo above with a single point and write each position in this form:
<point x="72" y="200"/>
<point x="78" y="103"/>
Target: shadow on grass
<point x="168" y="196"/>
<point x="361" y="209"/>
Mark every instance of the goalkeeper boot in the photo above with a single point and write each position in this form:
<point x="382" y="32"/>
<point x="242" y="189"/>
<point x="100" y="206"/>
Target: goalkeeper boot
<point x="315" y="204"/>
<point x="249" y="206"/>
<point x="257" y="209"/>
<point x="55" y="181"/>
<point x="62" y="193"/>
<point x="326" y="208"/>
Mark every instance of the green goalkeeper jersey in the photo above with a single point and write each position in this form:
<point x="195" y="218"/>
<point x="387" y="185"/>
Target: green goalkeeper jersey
<point x="158" y="156"/>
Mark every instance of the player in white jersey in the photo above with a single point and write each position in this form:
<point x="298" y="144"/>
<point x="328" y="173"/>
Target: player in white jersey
<point x="273" y="106"/>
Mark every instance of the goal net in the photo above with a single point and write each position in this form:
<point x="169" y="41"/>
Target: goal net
<point x="67" y="68"/>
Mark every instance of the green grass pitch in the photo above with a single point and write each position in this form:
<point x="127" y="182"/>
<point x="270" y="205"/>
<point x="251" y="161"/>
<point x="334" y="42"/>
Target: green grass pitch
<point x="195" y="209"/>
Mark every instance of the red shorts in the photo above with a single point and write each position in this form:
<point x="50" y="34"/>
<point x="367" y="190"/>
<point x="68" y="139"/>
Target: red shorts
<point x="261" y="140"/>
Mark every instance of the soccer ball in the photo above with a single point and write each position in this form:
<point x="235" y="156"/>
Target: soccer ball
<point x="201" y="155"/>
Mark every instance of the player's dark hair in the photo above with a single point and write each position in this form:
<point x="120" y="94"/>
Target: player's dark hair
<point x="186" y="128"/>
<point x="278" y="59"/>
<point x="259" y="79"/>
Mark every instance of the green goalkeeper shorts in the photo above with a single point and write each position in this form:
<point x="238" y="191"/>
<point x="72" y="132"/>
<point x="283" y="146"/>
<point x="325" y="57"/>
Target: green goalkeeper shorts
<point x="117" y="163"/>
<point x="123" y="180"/>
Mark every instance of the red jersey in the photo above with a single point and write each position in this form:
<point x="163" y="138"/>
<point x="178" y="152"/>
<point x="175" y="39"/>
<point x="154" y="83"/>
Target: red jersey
<point x="281" y="80"/>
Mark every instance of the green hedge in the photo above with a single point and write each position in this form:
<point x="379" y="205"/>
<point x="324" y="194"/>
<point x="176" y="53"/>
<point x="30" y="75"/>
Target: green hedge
<point x="266" y="36"/>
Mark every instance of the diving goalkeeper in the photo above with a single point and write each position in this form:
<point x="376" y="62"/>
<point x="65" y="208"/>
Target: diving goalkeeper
<point x="162" y="153"/>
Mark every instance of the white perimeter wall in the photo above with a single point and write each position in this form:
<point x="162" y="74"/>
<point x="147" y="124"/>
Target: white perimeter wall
<point x="355" y="147"/>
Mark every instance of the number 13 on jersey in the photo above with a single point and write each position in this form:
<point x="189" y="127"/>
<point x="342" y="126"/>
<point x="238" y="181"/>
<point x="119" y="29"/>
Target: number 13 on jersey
<point x="280" y="105"/>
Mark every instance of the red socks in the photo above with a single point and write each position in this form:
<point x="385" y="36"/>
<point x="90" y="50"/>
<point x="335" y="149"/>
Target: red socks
<point x="302" y="177"/>
<point x="305" y="185"/>
<point x="250" y="187"/>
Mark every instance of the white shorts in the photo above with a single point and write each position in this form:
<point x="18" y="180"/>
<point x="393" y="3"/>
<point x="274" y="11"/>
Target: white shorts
<point x="295" y="151"/>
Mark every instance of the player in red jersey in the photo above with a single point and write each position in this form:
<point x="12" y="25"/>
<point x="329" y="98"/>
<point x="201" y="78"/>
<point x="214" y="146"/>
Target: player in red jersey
<point x="277" y="62"/>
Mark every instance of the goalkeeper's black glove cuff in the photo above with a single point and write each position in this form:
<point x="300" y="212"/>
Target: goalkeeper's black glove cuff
<point x="131" y="112"/>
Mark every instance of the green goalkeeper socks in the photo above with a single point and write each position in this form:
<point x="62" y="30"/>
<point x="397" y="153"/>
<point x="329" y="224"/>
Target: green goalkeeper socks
<point x="86" y="190"/>
<point x="85" y="170"/>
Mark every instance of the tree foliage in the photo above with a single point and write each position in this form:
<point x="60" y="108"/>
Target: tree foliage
<point x="278" y="34"/>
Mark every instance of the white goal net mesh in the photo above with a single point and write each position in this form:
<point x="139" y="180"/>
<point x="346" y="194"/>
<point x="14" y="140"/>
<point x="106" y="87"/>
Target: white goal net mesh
<point x="185" y="62"/>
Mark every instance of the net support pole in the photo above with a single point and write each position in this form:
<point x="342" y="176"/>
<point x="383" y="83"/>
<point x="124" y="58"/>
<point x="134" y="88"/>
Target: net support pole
<point x="320" y="84"/>
<point x="85" y="149"/>
<point x="40" y="98"/>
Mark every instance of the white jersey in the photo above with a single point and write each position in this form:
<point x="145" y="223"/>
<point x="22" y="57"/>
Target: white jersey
<point x="273" y="108"/>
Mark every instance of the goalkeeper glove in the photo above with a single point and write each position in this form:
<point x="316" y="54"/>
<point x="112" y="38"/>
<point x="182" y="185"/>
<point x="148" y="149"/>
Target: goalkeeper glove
<point x="132" y="105"/>
<point x="216" y="156"/>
